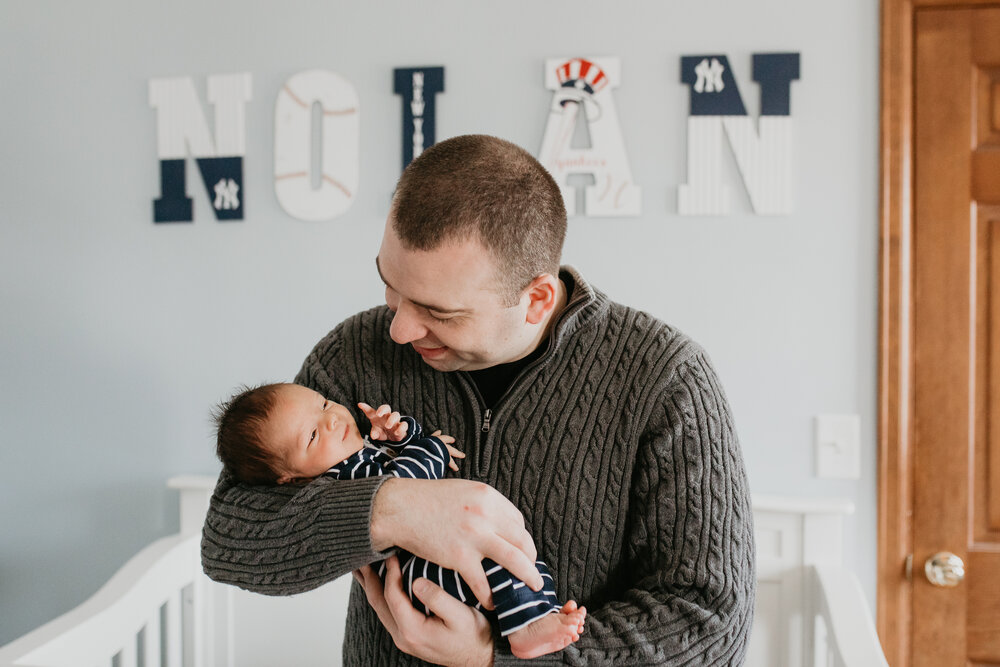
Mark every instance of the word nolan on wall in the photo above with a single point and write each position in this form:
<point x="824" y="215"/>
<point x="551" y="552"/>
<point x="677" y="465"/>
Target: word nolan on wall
<point x="762" y="148"/>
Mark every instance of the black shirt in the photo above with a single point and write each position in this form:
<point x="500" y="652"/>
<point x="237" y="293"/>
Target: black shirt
<point x="494" y="381"/>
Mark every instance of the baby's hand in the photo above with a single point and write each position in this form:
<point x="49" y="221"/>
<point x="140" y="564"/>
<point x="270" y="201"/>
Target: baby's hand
<point x="455" y="453"/>
<point x="386" y="424"/>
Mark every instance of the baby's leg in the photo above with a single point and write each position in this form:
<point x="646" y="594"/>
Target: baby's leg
<point x="413" y="568"/>
<point x="534" y="622"/>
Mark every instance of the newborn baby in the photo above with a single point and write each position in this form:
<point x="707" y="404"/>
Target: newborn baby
<point x="283" y="433"/>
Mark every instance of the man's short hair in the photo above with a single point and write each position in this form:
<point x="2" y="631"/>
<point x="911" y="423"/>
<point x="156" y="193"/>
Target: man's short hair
<point x="240" y="441"/>
<point x="484" y="188"/>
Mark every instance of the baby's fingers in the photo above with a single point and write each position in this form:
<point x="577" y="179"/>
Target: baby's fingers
<point x="443" y="437"/>
<point x="455" y="454"/>
<point x="400" y="430"/>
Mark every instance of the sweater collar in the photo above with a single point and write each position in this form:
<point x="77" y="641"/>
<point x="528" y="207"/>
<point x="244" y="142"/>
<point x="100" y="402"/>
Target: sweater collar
<point x="584" y="305"/>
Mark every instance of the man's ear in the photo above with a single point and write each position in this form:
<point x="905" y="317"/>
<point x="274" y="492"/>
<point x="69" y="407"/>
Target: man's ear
<point x="543" y="295"/>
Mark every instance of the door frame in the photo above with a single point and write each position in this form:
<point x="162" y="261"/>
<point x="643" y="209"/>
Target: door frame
<point x="895" y="359"/>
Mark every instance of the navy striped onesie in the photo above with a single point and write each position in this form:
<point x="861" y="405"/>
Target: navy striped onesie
<point x="420" y="457"/>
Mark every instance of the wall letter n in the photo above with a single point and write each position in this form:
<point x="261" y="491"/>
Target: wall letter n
<point x="182" y="130"/>
<point x="763" y="155"/>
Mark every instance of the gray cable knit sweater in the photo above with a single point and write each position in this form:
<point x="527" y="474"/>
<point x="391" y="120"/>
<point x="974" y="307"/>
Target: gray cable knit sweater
<point x="618" y="447"/>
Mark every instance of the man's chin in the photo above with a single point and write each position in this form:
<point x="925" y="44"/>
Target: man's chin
<point x="445" y="364"/>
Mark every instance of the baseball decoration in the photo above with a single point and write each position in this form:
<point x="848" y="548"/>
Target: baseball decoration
<point x="585" y="84"/>
<point x="763" y="153"/>
<point x="182" y="131"/>
<point x="419" y="87"/>
<point x="293" y="130"/>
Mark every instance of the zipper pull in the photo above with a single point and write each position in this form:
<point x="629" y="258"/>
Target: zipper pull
<point x="486" y="420"/>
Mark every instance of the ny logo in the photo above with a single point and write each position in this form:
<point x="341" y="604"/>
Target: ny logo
<point x="226" y="197"/>
<point x="709" y="77"/>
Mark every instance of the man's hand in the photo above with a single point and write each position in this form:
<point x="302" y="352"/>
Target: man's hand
<point x="455" y="523"/>
<point x="386" y="424"/>
<point x="456" y="635"/>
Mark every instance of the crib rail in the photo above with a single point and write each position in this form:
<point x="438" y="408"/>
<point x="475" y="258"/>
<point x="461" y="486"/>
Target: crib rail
<point x="152" y="610"/>
<point x="844" y="631"/>
<point x="160" y="610"/>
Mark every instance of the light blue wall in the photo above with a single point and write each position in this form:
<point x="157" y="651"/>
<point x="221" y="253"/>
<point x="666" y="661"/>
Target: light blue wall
<point x="118" y="335"/>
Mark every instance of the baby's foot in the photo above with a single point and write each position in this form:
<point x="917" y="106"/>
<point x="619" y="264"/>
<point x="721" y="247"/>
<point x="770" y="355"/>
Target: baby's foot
<point x="550" y="633"/>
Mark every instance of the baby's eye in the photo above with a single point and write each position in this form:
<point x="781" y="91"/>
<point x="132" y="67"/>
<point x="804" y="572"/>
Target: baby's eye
<point x="325" y="403"/>
<point x="313" y="436"/>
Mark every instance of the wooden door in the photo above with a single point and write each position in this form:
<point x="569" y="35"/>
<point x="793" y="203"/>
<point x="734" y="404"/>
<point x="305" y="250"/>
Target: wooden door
<point x="956" y="333"/>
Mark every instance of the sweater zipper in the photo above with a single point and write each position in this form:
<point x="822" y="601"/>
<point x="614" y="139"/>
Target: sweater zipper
<point x="481" y="403"/>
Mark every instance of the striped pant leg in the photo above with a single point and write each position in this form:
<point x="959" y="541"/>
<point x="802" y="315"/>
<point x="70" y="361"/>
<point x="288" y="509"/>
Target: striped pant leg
<point x="517" y="605"/>
<point x="414" y="567"/>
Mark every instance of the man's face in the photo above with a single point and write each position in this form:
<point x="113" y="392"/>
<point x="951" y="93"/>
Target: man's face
<point x="447" y="305"/>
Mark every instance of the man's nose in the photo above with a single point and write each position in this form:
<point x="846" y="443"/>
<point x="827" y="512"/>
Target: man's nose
<point x="405" y="327"/>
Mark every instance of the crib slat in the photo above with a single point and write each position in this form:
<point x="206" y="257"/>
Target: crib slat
<point x="175" y="648"/>
<point x="151" y="641"/>
<point x="202" y="648"/>
<point x="129" y="655"/>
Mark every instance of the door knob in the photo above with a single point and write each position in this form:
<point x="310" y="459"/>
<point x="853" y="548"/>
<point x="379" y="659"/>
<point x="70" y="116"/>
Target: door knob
<point x="944" y="569"/>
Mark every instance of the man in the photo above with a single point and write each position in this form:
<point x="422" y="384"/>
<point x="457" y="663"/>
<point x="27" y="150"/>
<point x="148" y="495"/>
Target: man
<point x="602" y="435"/>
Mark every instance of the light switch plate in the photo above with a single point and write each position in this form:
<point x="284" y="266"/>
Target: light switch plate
<point x="838" y="446"/>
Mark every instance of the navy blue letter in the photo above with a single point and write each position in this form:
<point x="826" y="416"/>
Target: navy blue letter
<point x="775" y="73"/>
<point x="173" y="205"/>
<point x="418" y="86"/>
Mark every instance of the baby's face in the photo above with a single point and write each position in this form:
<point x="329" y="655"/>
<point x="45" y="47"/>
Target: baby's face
<point x="310" y="433"/>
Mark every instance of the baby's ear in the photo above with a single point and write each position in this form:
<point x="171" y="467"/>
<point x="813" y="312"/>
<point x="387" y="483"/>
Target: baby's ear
<point x="284" y="479"/>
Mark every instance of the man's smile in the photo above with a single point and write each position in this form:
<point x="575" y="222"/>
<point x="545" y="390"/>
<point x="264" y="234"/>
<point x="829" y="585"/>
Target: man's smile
<point x="430" y="352"/>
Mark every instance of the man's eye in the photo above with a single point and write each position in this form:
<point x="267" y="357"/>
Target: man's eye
<point x="439" y="319"/>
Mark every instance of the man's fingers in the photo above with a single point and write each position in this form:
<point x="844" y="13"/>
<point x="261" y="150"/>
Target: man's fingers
<point x="515" y="534"/>
<point x="439" y="602"/>
<point x="516" y="561"/>
<point x="376" y="594"/>
<point x="476" y="578"/>
<point x="410" y="625"/>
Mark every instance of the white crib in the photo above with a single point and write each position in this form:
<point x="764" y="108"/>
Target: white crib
<point x="159" y="609"/>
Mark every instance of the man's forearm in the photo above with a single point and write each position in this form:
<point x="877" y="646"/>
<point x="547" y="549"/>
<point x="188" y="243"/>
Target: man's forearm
<point x="285" y="540"/>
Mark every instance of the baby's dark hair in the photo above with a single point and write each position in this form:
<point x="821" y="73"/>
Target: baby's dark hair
<point x="239" y="440"/>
